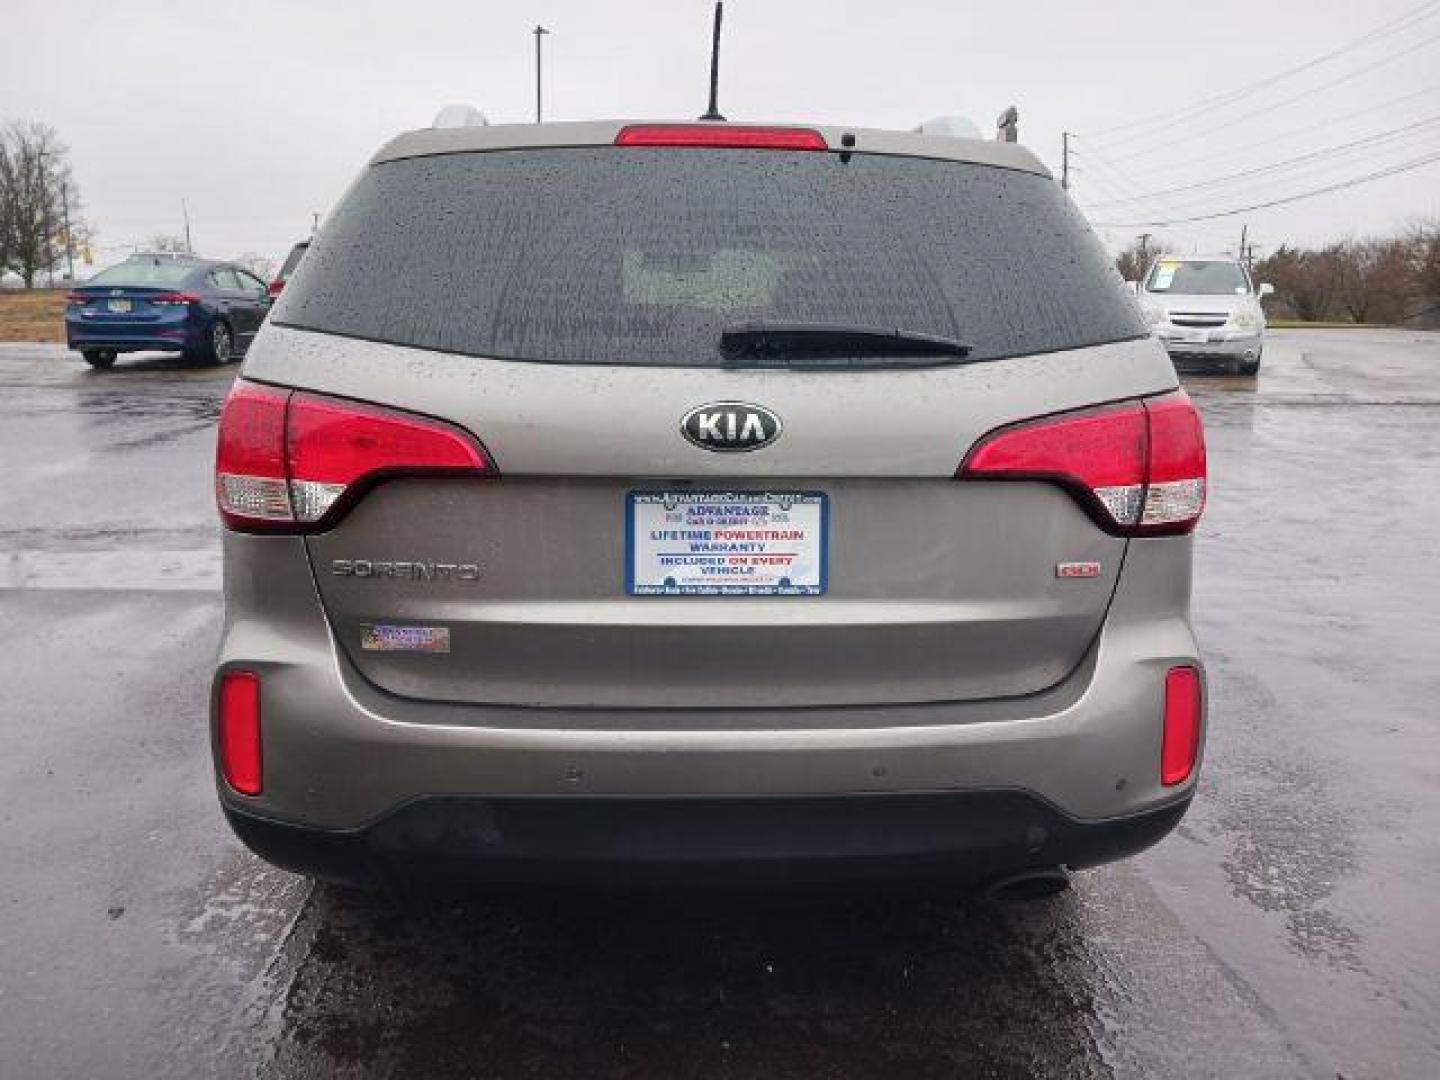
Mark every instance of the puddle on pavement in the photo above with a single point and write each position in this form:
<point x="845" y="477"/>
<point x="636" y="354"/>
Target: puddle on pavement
<point x="550" y="987"/>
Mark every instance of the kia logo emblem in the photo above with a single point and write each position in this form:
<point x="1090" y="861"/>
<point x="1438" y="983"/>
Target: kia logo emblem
<point x="730" y="427"/>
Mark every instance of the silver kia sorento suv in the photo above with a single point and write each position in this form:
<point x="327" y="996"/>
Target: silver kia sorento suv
<point x="612" y="498"/>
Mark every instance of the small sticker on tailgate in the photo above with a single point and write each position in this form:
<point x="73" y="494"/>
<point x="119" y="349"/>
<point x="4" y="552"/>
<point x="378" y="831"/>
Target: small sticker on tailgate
<point x="384" y="637"/>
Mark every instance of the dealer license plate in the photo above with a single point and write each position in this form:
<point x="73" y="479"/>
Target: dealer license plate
<point x="725" y="543"/>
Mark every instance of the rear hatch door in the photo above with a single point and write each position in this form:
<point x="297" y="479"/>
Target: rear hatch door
<point x="576" y="329"/>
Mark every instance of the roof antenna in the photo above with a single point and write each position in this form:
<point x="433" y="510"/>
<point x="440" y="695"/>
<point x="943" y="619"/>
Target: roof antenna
<point x="713" y="113"/>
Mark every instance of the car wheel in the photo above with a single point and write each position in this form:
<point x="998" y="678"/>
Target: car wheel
<point x="1248" y="367"/>
<point x="220" y="347"/>
<point x="99" y="358"/>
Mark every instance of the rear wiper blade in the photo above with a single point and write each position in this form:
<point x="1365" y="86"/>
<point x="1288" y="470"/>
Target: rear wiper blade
<point x="794" y="344"/>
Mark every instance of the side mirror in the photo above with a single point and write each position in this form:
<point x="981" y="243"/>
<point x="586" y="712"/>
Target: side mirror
<point x="1266" y="289"/>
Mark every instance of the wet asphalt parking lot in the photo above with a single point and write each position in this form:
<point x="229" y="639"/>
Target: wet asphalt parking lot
<point x="1290" y="927"/>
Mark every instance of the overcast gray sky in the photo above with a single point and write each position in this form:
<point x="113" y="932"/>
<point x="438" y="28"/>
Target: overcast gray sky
<point x="259" y="112"/>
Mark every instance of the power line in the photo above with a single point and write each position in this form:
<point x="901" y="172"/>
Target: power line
<point x="1145" y="204"/>
<point x="1409" y="18"/>
<point x="1294" y="178"/>
<point x="1114" y="183"/>
<point x="1285" y="136"/>
<point x="1104" y="186"/>
<point x="1356" y="182"/>
<point x="1369" y="140"/>
<point x="1190" y="133"/>
<point x="1261" y="188"/>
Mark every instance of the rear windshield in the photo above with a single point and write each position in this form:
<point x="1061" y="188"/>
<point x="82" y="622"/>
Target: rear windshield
<point x="645" y="256"/>
<point x="144" y="273"/>
<point x="292" y="261"/>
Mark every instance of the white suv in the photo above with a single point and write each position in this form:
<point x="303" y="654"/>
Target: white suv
<point x="1205" y="308"/>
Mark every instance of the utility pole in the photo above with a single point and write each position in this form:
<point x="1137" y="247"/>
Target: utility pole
<point x="539" y="32"/>
<point x="185" y="213"/>
<point x="46" y="252"/>
<point x="1065" y="160"/>
<point x="1144" y="252"/>
<point x="314" y="223"/>
<point x="1244" y="228"/>
<point x="65" y="219"/>
<point x="1248" y="254"/>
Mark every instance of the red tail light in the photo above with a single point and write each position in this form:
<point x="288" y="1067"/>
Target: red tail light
<point x="1138" y="467"/>
<point x="251" y="482"/>
<point x="722" y="136"/>
<point x="76" y="298"/>
<point x="274" y="289"/>
<point x="176" y="299"/>
<point x="238" y="732"/>
<point x="1181" y="742"/>
<point x="290" y="460"/>
<point x="1175" y="482"/>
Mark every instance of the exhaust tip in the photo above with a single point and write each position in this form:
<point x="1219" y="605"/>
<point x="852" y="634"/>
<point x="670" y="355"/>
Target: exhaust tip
<point x="1028" y="885"/>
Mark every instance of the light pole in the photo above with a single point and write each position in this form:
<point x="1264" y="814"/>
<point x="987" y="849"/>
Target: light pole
<point x="539" y="32"/>
<point x="47" y="253"/>
<point x="65" y="219"/>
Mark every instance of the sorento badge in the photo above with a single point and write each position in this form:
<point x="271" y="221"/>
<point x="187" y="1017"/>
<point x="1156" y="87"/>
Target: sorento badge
<point x="730" y="426"/>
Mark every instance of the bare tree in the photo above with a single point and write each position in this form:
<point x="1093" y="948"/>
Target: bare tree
<point x="39" y="203"/>
<point x="1135" y="260"/>
<point x="7" y="206"/>
<point x="262" y="266"/>
<point x="1306" y="281"/>
<point x="1373" y="279"/>
<point x="1424" y="246"/>
<point x="167" y="243"/>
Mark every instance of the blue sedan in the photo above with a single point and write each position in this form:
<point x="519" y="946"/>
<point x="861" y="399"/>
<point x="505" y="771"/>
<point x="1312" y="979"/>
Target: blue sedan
<point x="210" y="311"/>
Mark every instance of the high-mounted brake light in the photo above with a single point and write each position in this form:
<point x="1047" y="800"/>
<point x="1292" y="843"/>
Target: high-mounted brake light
<point x="722" y="136"/>
<point x="1138" y="467"/>
<point x="289" y="460"/>
<point x="1181" y="743"/>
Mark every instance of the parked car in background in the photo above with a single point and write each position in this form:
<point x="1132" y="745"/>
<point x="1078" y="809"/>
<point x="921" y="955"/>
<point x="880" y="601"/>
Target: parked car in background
<point x="1206" y="310"/>
<point x="277" y="285"/>
<point x="769" y="528"/>
<point x="208" y="310"/>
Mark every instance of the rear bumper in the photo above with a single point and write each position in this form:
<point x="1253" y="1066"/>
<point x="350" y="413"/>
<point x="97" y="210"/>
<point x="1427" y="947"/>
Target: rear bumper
<point x="167" y="335"/>
<point x="952" y="836"/>
<point x="345" y="764"/>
